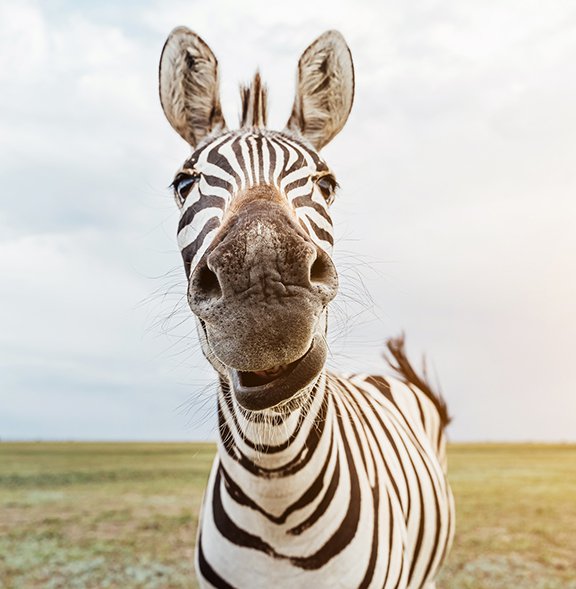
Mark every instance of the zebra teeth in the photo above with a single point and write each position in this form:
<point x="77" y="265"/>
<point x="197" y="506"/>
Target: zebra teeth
<point x="274" y="371"/>
<point x="261" y="377"/>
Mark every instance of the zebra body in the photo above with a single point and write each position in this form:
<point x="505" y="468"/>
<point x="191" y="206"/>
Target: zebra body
<point x="320" y="480"/>
<point x="350" y="492"/>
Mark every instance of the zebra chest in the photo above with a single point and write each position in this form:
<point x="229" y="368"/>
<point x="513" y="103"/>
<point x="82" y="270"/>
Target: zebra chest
<point x="359" y="502"/>
<point x="336" y="536"/>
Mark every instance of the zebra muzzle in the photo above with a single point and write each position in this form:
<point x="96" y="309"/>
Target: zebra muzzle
<point x="265" y="389"/>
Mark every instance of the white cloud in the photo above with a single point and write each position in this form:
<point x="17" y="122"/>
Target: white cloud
<point x="457" y="205"/>
<point x="23" y="40"/>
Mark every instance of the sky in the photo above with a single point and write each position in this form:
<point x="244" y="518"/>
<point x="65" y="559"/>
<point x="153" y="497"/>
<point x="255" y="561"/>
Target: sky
<point x="455" y="221"/>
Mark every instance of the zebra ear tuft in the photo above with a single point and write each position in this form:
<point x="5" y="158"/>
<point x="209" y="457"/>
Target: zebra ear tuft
<point x="324" y="89"/>
<point x="189" y="90"/>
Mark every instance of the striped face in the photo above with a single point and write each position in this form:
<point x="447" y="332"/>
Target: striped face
<point x="219" y="171"/>
<point x="255" y="232"/>
<point x="256" y="237"/>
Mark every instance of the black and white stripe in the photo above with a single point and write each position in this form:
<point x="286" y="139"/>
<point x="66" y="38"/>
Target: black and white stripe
<point x="348" y="490"/>
<point x="344" y="486"/>
<point x="238" y="161"/>
<point x="342" y="483"/>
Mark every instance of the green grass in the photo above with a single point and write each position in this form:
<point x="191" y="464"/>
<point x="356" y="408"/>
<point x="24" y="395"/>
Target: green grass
<point x="120" y="516"/>
<point x="516" y="517"/>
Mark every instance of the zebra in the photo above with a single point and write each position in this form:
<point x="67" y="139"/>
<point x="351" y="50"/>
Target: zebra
<point x="320" y="480"/>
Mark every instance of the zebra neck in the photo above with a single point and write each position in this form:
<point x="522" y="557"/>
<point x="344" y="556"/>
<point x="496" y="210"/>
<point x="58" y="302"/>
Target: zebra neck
<point x="275" y="448"/>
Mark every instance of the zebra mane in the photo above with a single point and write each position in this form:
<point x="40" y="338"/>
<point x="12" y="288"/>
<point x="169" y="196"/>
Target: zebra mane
<point x="254" y="103"/>
<point x="403" y="368"/>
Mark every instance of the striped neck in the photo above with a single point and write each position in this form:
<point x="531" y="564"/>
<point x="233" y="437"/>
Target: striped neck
<point x="278" y="442"/>
<point x="267" y="459"/>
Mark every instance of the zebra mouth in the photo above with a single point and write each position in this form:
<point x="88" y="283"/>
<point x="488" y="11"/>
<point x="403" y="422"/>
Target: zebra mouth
<point x="264" y="389"/>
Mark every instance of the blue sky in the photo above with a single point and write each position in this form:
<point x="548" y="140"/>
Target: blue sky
<point x="455" y="218"/>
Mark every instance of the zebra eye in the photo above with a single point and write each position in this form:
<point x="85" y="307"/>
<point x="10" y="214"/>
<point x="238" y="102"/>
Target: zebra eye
<point x="183" y="184"/>
<point x="327" y="185"/>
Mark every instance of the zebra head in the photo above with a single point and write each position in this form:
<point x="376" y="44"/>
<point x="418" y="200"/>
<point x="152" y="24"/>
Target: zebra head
<point x="255" y="232"/>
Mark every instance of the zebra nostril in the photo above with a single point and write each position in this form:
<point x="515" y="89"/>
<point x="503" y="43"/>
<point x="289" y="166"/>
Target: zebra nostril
<point x="319" y="271"/>
<point x="206" y="283"/>
<point x="322" y="272"/>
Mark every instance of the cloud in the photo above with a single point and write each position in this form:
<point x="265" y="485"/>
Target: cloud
<point x="456" y="211"/>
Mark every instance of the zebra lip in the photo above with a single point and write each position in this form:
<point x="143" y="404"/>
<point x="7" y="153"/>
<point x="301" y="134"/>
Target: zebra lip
<point x="256" y="391"/>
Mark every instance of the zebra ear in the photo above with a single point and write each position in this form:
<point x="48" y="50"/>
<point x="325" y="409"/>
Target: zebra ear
<point x="324" y="89"/>
<point x="189" y="90"/>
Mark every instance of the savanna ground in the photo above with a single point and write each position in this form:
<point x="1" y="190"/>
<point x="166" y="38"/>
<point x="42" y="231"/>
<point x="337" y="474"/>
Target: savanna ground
<point x="121" y="516"/>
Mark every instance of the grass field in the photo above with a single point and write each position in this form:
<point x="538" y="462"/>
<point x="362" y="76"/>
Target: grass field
<point x="121" y="516"/>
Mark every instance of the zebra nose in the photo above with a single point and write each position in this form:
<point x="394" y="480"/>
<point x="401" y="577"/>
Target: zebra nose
<point x="205" y="287"/>
<point x="208" y="282"/>
<point x="262" y="257"/>
<point x="322" y="276"/>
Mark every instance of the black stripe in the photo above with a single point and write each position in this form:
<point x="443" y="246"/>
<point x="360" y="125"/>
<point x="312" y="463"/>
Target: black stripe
<point x="385" y="388"/>
<point x="221" y="161"/>
<point x="259" y="150"/>
<point x="296" y="184"/>
<point x="209" y="147"/>
<point x="286" y="153"/>
<point x="217" y="182"/>
<point x="438" y="521"/>
<point x="236" y="146"/>
<point x="349" y="524"/>
<point x="208" y="572"/>
<point x="306" y="201"/>
<point x="420" y="535"/>
<point x="353" y="415"/>
<point x="298" y="145"/>
<point x="320" y="233"/>
<point x="448" y="526"/>
<point x="338" y="541"/>
<point x="365" y="423"/>
<point x="190" y="250"/>
<point x="238" y="495"/>
<point x="269" y="449"/>
<point x="229" y="529"/>
<point x="324" y="503"/>
<point x="204" y="202"/>
<point x="382" y="385"/>
<point x="298" y="162"/>
<point x="376" y="521"/>
<point x="390" y="543"/>
<point x="297" y="463"/>
<point x="251" y="157"/>
<point x="420" y="410"/>
<point x="272" y="157"/>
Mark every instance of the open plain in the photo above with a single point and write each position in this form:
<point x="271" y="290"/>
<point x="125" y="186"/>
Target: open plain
<point x="124" y="515"/>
